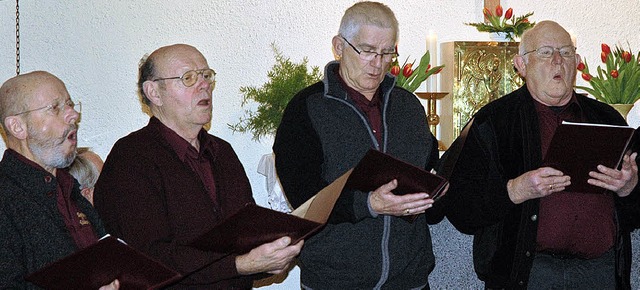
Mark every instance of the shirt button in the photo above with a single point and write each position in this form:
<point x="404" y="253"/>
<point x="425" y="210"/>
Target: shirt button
<point x="534" y="217"/>
<point x="528" y="254"/>
<point x="47" y="179"/>
<point x="50" y="193"/>
<point x="521" y="283"/>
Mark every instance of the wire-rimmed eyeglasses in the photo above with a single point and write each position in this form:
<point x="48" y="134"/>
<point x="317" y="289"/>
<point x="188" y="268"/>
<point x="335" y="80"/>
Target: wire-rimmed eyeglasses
<point x="56" y="108"/>
<point x="370" y="55"/>
<point x="190" y="78"/>
<point x="547" y="51"/>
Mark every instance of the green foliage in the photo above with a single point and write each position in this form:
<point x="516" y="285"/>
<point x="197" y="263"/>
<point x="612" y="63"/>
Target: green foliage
<point x="286" y="78"/>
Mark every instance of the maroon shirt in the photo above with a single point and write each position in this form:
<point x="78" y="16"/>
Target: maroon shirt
<point x="574" y="223"/>
<point x="198" y="161"/>
<point x="372" y="109"/>
<point x="75" y="220"/>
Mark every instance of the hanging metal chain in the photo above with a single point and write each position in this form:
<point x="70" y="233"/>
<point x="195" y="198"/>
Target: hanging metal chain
<point x="17" y="37"/>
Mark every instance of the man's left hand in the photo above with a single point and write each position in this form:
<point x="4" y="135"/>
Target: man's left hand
<point x="622" y="181"/>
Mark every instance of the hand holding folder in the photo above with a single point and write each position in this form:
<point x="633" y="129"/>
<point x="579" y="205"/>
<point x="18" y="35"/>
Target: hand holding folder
<point x="578" y="148"/>
<point x="253" y="225"/>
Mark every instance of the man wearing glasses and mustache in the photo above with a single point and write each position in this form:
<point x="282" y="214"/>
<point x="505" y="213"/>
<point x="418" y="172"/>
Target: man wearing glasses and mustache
<point x="169" y="182"/>
<point x="43" y="216"/>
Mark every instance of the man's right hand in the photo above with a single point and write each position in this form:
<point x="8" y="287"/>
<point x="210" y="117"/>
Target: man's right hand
<point x="537" y="183"/>
<point x="272" y="258"/>
<point x="383" y="201"/>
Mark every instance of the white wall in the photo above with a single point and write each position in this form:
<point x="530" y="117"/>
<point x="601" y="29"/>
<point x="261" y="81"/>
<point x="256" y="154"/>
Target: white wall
<point x="95" y="46"/>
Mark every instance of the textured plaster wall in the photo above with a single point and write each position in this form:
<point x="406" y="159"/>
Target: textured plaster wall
<point x="95" y="46"/>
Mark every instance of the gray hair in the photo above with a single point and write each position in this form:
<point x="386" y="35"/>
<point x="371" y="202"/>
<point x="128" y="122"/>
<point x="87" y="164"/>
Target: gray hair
<point x="367" y="13"/>
<point x="83" y="170"/>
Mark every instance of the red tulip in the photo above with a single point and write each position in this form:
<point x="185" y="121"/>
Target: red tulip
<point x="586" y="76"/>
<point x="486" y="12"/>
<point x="581" y="66"/>
<point x="499" y="10"/>
<point x="605" y="48"/>
<point x="428" y="67"/>
<point x="603" y="56"/>
<point x="626" y="56"/>
<point x="407" y="71"/>
<point x="438" y="71"/>
<point x="526" y="20"/>
<point x="395" y="70"/>
<point x="614" y="73"/>
<point x="508" y="14"/>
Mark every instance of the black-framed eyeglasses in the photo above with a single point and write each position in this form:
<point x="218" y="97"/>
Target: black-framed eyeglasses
<point x="371" y="55"/>
<point x="547" y="51"/>
<point x="190" y="78"/>
<point x="56" y="108"/>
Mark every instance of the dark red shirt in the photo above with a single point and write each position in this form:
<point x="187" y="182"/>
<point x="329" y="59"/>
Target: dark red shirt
<point x="371" y="108"/>
<point x="573" y="223"/>
<point x="198" y="161"/>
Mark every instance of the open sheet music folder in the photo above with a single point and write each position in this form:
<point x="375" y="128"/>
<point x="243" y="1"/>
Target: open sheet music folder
<point x="100" y="264"/>
<point x="253" y="225"/>
<point x="577" y="148"/>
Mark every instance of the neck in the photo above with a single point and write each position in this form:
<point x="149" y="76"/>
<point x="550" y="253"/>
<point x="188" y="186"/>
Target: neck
<point x="187" y="132"/>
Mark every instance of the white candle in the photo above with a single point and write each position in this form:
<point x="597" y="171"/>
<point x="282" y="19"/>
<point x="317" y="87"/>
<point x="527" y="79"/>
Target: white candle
<point x="432" y="47"/>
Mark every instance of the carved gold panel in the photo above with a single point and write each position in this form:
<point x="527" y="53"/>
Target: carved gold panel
<point x="479" y="72"/>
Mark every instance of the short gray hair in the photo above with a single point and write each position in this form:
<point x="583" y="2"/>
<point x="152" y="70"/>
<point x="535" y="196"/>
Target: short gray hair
<point x="367" y="13"/>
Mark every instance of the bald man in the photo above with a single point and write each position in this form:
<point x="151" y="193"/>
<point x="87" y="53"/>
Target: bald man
<point x="169" y="182"/>
<point x="43" y="216"/>
<point x="529" y="232"/>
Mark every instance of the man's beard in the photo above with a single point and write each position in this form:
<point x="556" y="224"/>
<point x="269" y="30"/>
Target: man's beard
<point x="49" y="150"/>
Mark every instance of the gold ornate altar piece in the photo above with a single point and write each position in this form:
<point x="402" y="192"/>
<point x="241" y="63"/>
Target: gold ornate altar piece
<point x="480" y="72"/>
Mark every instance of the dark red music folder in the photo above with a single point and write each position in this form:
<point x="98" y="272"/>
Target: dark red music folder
<point x="377" y="168"/>
<point x="100" y="264"/>
<point x="253" y="226"/>
<point x="577" y="148"/>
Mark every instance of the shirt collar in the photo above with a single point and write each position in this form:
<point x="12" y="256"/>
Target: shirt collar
<point x="181" y="146"/>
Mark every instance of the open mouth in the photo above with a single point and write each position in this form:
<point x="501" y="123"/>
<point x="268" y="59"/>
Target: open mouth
<point x="205" y="102"/>
<point x="73" y="135"/>
<point x="557" y="77"/>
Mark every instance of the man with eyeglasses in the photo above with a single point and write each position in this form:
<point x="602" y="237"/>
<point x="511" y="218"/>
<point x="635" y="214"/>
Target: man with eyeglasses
<point x="529" y="232"/>
<point x="43" y="216"/>
<point x="326" y="129"/>
<point x="166" y="184"/>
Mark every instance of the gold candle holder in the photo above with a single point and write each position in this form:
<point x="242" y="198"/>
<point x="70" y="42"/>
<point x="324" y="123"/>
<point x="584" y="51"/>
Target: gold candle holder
<point x="432" y="114"/>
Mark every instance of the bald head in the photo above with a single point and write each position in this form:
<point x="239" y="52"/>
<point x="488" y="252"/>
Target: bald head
<point x="547" y="30"/>
<point x="17" y="92"/>
<point x="159" y="61"/>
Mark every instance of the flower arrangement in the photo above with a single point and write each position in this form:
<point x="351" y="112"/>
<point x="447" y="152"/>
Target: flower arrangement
<point x="619" y="81"/>
<point x="410" y="78"/>
<point x="512" y="26"/>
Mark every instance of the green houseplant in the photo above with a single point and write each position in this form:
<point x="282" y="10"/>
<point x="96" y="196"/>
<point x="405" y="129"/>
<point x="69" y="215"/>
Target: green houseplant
<point x="286" y="78"/>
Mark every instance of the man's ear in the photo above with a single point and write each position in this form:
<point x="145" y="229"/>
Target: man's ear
<point x="152" y="91"/>
<point x="338" y="46"/>
<point x="16" y="127"/>
<point x="520" y="64"/>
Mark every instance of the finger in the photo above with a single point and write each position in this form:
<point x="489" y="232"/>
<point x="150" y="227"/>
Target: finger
<point x="388" y="187"/>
